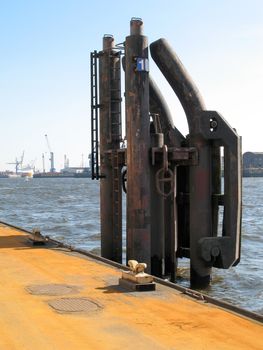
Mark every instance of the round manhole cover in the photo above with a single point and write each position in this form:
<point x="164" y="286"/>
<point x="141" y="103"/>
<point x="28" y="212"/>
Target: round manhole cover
<point x="74" y="305"/>
<point x="51" y="289"/>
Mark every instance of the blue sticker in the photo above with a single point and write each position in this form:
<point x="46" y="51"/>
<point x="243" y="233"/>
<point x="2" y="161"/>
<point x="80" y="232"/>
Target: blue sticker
<point x="142" y="64"/>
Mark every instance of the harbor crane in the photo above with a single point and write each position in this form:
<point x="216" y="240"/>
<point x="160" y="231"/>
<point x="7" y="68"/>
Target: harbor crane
<point x="52" y="168"/>
<point x="18" y="163"/>
<point x="43" y="162"/>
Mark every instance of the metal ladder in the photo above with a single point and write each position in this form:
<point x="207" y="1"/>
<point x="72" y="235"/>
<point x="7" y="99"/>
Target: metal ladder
<point x="115" y="97"/>
<point x="117" y="203"/>
<point x="115" y="139"/>
<point x="94" y="116"/>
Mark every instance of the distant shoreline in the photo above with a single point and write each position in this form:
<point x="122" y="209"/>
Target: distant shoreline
<point x="253" y="172"/>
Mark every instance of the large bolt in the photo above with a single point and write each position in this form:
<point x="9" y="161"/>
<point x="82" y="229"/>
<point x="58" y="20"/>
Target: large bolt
<point x="215" y="251"/>
<point x="213" y="123"/>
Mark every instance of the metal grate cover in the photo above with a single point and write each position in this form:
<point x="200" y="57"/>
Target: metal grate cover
<point x="51" y="289"/>
<point x="71" y="305"/>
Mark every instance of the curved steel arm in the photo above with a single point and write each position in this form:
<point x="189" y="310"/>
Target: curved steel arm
<point x="158" y="105"/>
<point x="179" y="79"/>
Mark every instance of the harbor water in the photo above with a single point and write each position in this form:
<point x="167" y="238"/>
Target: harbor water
<point x="68" y="210"/>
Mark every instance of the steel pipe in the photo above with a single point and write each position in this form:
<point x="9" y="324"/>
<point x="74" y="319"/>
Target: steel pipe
<point x="110" y="184"/>
<point x="138" y="145"/>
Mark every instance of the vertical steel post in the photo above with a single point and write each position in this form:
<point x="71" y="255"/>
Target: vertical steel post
<point x="138" y="145"/>
<point x="172" y="220"/>
<point x="200" y="210"/>
<point x="157" y="216"/>
<point x="110" y="135"/>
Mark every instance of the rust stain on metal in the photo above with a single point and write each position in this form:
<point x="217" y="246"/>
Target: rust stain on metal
<point x="158" y="320"/>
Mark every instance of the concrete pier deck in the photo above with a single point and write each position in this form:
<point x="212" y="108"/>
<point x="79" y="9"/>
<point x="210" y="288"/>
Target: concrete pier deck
<point x="52" y="298"/>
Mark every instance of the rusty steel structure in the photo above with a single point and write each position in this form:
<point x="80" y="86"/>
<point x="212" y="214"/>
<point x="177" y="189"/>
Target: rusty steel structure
<point x="178" y="204"/>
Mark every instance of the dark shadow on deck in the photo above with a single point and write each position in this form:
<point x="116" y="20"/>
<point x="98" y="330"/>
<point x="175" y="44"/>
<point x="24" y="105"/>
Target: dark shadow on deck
<point x="113" y="289"/>
<point x="14" y="241"/>
<point x="20" y="242"/>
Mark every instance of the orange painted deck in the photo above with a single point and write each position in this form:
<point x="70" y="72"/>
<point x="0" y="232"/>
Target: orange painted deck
<point x="164" y="319"/>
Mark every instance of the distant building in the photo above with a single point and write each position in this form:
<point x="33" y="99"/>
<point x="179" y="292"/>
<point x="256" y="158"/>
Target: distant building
<point x="74" y="170"/>
<point x="253" y="164"/>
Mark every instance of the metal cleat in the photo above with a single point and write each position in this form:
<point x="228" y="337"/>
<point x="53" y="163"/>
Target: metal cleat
<point x="36" y="238"/>
<point x="136" y="279"/>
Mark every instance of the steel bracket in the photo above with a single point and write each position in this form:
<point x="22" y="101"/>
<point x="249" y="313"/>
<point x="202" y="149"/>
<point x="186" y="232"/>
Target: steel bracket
<point x="217" y="251"/>
<point x="176" y="155"/>
<point x="211" y="126"/>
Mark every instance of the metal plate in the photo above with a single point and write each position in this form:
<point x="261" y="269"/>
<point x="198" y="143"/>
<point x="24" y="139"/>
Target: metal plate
<point x="71" y="305"/>
<point x="51" y="289"/>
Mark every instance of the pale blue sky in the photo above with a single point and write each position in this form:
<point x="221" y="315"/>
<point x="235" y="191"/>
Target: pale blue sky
<point x="44" y="66"/>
